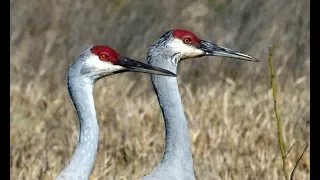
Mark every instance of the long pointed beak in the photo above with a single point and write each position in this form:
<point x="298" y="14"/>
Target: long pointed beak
<point x="211" y="49"/>
<point x="133" y="65"/>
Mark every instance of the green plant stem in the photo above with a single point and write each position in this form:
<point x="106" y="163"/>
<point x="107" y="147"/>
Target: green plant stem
<point x="279" y="125"/>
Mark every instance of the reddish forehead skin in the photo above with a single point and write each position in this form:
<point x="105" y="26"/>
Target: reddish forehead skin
<point x="112" y="55"/>
<point x="182" y="34"/>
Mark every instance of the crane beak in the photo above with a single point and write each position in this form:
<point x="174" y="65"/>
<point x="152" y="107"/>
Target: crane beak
<point x="136" y="66"/>
<point x="211" y="49"/>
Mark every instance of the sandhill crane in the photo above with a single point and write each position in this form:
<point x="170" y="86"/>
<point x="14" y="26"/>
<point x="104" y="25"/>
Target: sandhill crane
<point x="94" y="62"/>
<point x="166" y="52"/>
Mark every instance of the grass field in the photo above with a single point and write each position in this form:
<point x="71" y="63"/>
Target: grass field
<point x="228" y="103"/>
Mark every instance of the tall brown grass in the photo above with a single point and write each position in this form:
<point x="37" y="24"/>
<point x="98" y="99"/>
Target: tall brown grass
<point x="228" y="103"/>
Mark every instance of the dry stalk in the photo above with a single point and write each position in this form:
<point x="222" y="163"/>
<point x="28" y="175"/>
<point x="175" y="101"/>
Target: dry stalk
<point x="279" y="125"/>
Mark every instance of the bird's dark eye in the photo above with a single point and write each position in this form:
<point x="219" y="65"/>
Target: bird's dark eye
<point x="102" y="56"/>
<point x="186" y="40"/>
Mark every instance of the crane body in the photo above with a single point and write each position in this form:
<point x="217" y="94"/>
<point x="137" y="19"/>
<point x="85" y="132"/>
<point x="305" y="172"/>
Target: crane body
<point x="167" y="52"/>
<point x="94" y="63"/>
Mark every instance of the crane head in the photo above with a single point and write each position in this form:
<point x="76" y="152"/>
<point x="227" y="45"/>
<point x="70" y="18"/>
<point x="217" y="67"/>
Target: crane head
<point x="190" y="46"/>
<point x="101" y="60"/>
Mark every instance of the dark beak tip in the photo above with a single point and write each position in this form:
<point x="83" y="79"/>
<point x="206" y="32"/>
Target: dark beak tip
<point x="256" y="60"/>
<point x="171" y="74"/>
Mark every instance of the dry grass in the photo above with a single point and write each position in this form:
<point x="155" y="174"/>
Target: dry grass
<point x="228" y="103"/>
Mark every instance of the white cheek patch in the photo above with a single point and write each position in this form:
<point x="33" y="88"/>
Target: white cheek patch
<point x="93" y="63"/>
<point x="187" y="51"/>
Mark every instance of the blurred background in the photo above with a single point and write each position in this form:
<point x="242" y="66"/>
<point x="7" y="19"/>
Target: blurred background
<point x="228" y="103"/>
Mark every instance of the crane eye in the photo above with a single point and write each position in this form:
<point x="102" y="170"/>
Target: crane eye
<point x="186" y="40"/>
<point x="102" y="56"/>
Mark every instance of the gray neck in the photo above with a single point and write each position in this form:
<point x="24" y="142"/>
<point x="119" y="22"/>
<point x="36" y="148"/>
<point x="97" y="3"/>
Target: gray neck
<point x="177" y="148"/>
<point x="82" y="161"/>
